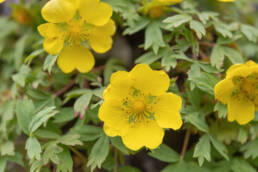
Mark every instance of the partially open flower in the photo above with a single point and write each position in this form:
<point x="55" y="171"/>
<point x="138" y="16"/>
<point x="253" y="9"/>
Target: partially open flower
<point x="137" y="107"/>
<point x="239" y="90"/>
<point x="74" y="27"/>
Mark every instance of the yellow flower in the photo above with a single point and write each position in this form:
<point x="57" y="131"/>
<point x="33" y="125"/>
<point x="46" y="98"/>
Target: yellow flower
<point x="156" y="8"/>
<point x="74" y="27"/>
<point x="1" y="1"/>
<point x="239" y="90"/>
<point x="137" y="107"/>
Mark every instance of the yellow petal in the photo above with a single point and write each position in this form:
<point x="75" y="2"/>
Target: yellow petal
<point x="226" y="0"/>
<point x="95" y="12"/>
<point x="167" y="111"/>
<point x="147" y="134"/>
<point x="53" y="45"/>
<point x="223" y="90"/>
<point x="149" y="81"/>
<point x="110" y="131"/>
<point x="58" y="11"/>
<point x="100" y="37"/>
<point x="50" y="30"/>
<point x="170" y="1"/>
<point x="119" y="86"/>
<point x="2" y="1"/>
<point x="114" y="117"/>
<point x="241" y="110"/>
<point x="75" y="57"/>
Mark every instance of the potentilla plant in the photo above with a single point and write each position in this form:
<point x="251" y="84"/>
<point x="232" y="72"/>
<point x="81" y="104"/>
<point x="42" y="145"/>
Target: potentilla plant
<point x="129" y="86"/>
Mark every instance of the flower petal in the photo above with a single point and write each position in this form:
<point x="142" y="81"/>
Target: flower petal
<point x="119" y="86"/>
<point x="75" y="57"/>
<point x="167" y="111"/>
<point x="100" y="37"/>
<point x="223" y="90"/>
<point x="58" y="11"/>
<point x="149" y="81"/>
<point x="147" y="134"/>
<point x="50" y="30"/>
<point x="114" y="117"/>
<point x="53" y="45"/>
<point x="110" y="131"/>
<point x="95" y="12"/>
<point x="241" y="110"/>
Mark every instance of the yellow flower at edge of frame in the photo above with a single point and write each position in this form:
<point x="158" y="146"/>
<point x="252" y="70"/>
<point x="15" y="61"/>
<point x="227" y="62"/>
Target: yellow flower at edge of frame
<point x="239" y="90"/>
<point x="137" y="107"/>
<point x="155" y="8"/>
<point x="74" y="27"/>
<point x="1" y="1"/>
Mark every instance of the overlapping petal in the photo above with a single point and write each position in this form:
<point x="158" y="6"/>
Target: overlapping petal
<point x="147" y="134"/>
<point x="148" y="80"/>
<point x="241" y="110"/>
<point x="167" y="111"/>
<point x="75" y="57"/>
<point x="95" y="12"/>
<point x="223" y="90"/>
<point x="100" y="37"/>
<point x="58" y="11"/>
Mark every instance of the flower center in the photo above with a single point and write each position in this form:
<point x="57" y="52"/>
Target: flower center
<point x="247" y="87"/>
<point x="139" y="106"/>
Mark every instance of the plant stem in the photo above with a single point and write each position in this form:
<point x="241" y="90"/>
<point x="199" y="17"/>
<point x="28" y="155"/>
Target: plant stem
<point x="64" y="89"/>
<point x="78" y="154"/>
<point x="186" y="141"/>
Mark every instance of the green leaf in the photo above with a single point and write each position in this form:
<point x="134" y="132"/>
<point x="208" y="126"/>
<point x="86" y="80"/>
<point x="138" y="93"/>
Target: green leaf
<point x="148" y="58"/>
<point x="251" y="149"/>
<point x="88" y="132"/>
<point x="33" y="55"/>
<point x="3" y="163"/>
<point x="117" y="142"/>
<point x="51" y="153"/>
<point x="198" y="28"/>
<point x="66" y="161"/>
<point x="177" y="20"/>
<point x="220" y="147"/>
<point x="233" y="55"/>
<point x="7" y="149"/>
<point x="99" y="152"/>
<point x="243" y="135"/>
<point x="49" y="62"/>
<point x="202" y="150"/>
<point x="70" y="139"/>
<point x="139" y="25"/>
<point x="197" y="120"/>
<point x="223" y="29"/>
<point x="82" y="103"/>
<point x="64" y="115"/>
<point x="250" y="32"/>
<point x="154" y="37"/>
<point x="33" y="148"/>
<point x="207" y="16"/>
<point x="217" y="56"/>
<point x="24" y="113"/>
<point x="165" y="154"/>
<point x="240" y="165"/>
<point x="41" y="118"/>
<point x="222" y="110"/>
<point x="181" y="166"/>
<point x="111" y="66"/>
<point x="20" y="78"/>
<point x="128" y="169"/>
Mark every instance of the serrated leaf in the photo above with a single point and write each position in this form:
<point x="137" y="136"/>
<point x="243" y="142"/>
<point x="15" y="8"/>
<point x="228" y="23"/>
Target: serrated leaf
<point x="202" y="149"/>
<point x="49" y="62"/>
<point x="24" y="113"/>
<point x="70" y="139"/>
<point x="154" y="37"/>
<point x="240" y="165"/>
<point x="66" y="161"/>
<point x="88" y="132"/>
<point x="198" y="28"/>
<point x="7" y="149"/>
<point x="20" y="77"/>
<point x="82" y="103"/>
<point x="198" y="121"/>
<point x="41" y="118"/>
<point x="251" y="149"/>
<point x="148" y="58"/>
<point x="217" y="56"/>
<point x="222" y="110"/>
<point x="99" y="152"/>
<point x="177" y="20"/>
<point x="33" y="148"/>
<point x="223" y="29"/>
<point x="250" y="32"/>
<point x="165" y="154"/>
<point x="220" y="147"/>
